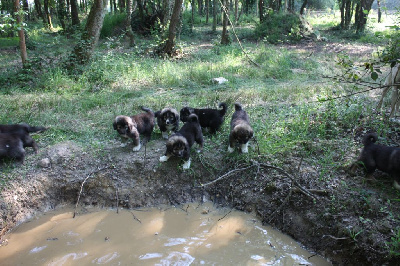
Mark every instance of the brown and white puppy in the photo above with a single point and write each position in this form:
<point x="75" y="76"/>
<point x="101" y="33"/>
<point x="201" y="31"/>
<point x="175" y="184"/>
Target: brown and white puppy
<point x="375" y="156"/>
<point x="22" y="131"/>
<point x="167" y="121"/>
<point x="131" y="127"/>
<point x="179" y="143"/>
<point x="241" y="131"/>
<point x="12" y="147"/>
<point x="208" y="118"/>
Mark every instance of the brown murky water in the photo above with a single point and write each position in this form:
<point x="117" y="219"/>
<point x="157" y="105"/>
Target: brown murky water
<point x="192" y="235"/>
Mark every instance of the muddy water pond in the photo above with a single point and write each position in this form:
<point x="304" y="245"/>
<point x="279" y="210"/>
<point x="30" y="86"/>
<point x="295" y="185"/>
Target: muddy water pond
<point x="192" y="234"/>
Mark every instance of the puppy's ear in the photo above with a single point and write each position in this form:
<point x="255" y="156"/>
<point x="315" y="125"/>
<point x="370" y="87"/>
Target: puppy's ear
<point x="115" y="125"/>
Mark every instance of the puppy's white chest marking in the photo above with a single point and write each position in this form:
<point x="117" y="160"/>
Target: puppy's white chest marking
<point x="7" y="146"/>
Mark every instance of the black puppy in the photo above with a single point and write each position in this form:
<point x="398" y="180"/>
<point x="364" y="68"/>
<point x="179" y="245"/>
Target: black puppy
<point x="208" y="118"/>
<point x="375" y="156"/>
<point x="167" y="120"/>
<point x="22" y="131"/>
<point x="179" y="144"/>
<point x="241" y="131"/>
<point x="12" y="147"/>
<point x="132" y="127"/>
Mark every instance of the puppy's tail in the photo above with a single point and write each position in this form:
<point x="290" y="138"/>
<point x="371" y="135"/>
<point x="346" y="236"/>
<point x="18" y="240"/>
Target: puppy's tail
<point x="222" y="112"/>
<point x="193" y="118"/>
<point x="369" y="138"/>
<point x="238" y="107"/>
<point x="148" y="110"/>
<point x="31" y="129"/>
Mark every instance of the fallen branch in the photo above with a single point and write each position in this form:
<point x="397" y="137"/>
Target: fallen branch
<point x="84" y="181"/>
<point x="226" y="175"/>
<point x="134" y="217"/>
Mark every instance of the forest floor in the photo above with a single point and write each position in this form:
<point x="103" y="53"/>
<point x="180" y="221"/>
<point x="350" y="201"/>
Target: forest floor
<point x="347" y="219"/>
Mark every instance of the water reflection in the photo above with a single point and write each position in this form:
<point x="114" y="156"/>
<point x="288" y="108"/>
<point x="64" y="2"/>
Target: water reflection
<point x="192" y="235"/>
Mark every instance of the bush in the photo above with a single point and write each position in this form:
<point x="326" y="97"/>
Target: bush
<point x="282" y="28"/>
<point x="113" y="25"/>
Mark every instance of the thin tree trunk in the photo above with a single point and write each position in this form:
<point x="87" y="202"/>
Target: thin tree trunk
<point x="74" y="13"/>
<point x="207" y="10"/>
<point x="214" y="25"/>
<point x="379" y="11"/>
<point x="38" y="8"/>
<point x="225" y="36"/>
<point x="21" y="34"/>
<point x="90" y="37"/>
<point x="303" y="6"/>
<point x="128" y="23"/>
<point x="47" y="14"/>
<point x="236" y="11"/>
<point x="261" y="8"/>
<point x="169" y="47"/>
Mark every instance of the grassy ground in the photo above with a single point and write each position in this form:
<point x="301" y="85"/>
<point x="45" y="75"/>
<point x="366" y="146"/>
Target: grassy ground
<point x="281" y="94"/>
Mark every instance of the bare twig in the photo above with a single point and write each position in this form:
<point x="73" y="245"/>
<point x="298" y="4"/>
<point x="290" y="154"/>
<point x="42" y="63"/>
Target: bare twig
<point x="225" y="215"/>
<point x="84" y="181"/>
<point x="226" y="175"/>
<point x="116" y="194"/>
<point x="134" y="217"/>
<point x="336" y="238"/>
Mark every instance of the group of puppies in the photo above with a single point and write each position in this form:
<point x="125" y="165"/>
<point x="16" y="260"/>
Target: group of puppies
<point x="15" y="138"/>
<point x="180" y="140"/>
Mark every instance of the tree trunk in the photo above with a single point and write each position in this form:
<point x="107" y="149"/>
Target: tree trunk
<point x="47" y="14"/>
<point x="74" y="13"/>
<point x="214" y="25"/>
<point x="90" y="37"/>
<point x="236" y="11"/>
<point x="61" y="13"/>
<point x="379" y="11"/>
<point x="303" y="6"/>
<point x="261" y="10"/>
<point x="38" y="8"/>
<point x="362" y="14"/>
<point x="225" y="36"/>
<point x="169" y="47"/>
<point x="21" y="34"/>
<point x="207" y="10"/>
<point x="128" y="23"/>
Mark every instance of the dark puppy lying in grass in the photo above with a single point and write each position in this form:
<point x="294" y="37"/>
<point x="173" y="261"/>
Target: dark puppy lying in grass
<point x="179" y="144"/>
<point x="12" y="146"/>
<point x="381" y="157"/>
<point x="208" y="118"/>
<point x="22" y="132"/>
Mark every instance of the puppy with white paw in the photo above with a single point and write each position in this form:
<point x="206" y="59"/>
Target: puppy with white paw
<point x="179" y="144"/>
<point x="131" y="127"/>
<point x="167" y="121"/>
<point x="241" y="131"/>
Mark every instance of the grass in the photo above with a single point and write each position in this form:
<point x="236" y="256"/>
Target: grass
<point x="281" y="96"/>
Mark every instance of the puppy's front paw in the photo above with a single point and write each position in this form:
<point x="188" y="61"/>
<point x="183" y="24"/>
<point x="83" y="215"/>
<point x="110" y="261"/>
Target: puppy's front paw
<point x="230" y="149"/>
<point x="164" y="158"/>
<point x="186" y="165"/>
<point x="244" y="148"/>
<point x="136" y="148"/>
<point x="164" y="134"/>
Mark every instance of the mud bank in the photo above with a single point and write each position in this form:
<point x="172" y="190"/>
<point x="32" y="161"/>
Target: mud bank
<point x="345" y="220"/>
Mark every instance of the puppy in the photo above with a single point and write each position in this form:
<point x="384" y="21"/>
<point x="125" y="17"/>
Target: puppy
<point x="12" y="147"/>
<point x="131" y="127"/>
<point x="375" y="156"/>
<point x="208" y="118"/>
<point x="241" y="131"/>
<point x="168" y="121"/>
<point x="22" y="131"/>
<point x="179" y="144"/>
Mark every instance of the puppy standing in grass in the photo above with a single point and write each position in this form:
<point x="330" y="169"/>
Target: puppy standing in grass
<point x="381" y="157"/>
<point x="167" y="121"/>
<point x="241" y="131"/>
<point x="132" y="127"/>
<point x="208" y="118"/>
<point x="179" y="144"/>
